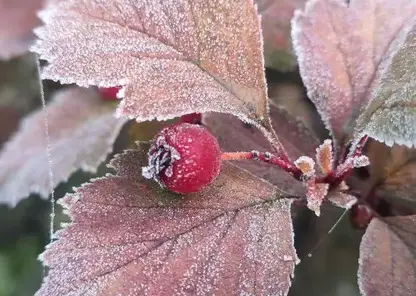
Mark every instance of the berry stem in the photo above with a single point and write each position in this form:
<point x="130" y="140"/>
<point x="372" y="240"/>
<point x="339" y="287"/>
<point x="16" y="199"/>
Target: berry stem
<point x="265" y="157"/>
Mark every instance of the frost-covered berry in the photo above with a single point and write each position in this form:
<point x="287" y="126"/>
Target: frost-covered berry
<point x="194" y="118"/>
<point x="109" y="93"/>
<point x="184" y="158"/>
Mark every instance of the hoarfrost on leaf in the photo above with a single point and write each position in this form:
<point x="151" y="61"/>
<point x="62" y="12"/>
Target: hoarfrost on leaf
<point x="325" y="157"/>
<point x="172" y="57"/>
<point x="315" y="194"/>
<point x="387" y="264"/>
<point x="127" y="237"/>
<point x="82" y="130"/>
<point x="391" y="115"/>
<point x="342" y="49"/>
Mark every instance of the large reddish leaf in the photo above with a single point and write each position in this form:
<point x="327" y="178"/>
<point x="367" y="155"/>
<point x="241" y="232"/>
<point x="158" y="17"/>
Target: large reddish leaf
<point x="340" y="49"/>
<point x="388" y="257"/>
<point x="129" y="238"/>
<point x="391" y="115"/>
<point x="174" y="57"/>
<point x="275" y="21"/>
<point x="233" y="135"/>
<point x="82" y="131"/>
<point x="17" y="20"/>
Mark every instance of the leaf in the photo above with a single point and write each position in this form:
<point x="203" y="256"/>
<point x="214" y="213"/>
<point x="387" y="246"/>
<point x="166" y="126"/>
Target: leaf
<point x="315" y="195"/>
<point x="275" y="20"/>
<point x="129" y="238"/>
<point x="173" y="57"/>
<point x="82" y="131"/>
<point x="391" y="115"/>
<point x="392" y="171"/>
<point x="17" y="20"/>
<point x="387" y="264"/>
<point x="340" y="199"/>
<point x="341" y="48"/>
<point x="234" y="135"/>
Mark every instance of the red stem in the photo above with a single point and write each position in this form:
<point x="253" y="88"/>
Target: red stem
<point x="265" y="157"/>
<point x="360" y="146"/>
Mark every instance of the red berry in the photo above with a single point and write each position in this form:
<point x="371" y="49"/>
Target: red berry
<point x="184" y="158"/>
<point x="360" y="216"/>
<point x="194" y="118"/>
<point x="109" y="93"/>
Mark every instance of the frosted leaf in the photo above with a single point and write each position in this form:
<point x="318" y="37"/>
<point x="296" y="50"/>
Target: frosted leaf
<point x="306" y="165"/>
<point x="233" y="135"/>
<point x="391" y="115"/>
<point x="324" y="157"/>
<point x="341" y="200"/>
<point x="275" y="21"/>
<point x="127" y="237"/>
<point x="387" y="264"/>
<point x="172" y="57"/>
<point x="82" y="130"/>
<point x="315" y="195"/>
<point x="341" y="48"/>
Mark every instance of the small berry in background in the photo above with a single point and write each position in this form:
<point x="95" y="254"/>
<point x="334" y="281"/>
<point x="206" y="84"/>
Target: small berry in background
<point x="109" y="93"/>
<point x="360" y="216"/>
<point x="193" y="118"/>
<point x="183" y="158"/>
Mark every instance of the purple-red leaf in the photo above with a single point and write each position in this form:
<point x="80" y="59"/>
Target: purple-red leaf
<point x="388" y="257"/>
<point x="17" y="20"/>
<point x="340" y="49"/>
<point x="392" y="171"/>
<point x="129" y="238"/>
<point x="233" y="135"/>
<point x="173" y="57"/>
<point x="82" y="131"/>
<point x="391" y="115"/>
<point x="275" y="22"/>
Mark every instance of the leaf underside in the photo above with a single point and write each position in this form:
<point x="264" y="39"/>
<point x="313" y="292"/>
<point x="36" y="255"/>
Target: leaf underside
<point x="173" y="57"/>
<point x="388" y="257"/>
<point x="129" y="238"/>
<point x="275" y="20"/>
<point x="17" y="20"/>
<point x="342" y="49"/>
<point x="391" y="114"/>
<point x="234" y="135"/>
<point x="82" y="131"/>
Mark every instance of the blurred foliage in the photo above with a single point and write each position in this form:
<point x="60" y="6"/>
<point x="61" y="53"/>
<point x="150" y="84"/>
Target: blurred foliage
<point x="24" y="230"/>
